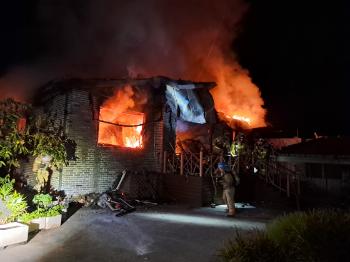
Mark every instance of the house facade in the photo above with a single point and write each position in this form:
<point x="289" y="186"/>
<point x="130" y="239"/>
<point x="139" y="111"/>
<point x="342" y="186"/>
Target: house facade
<point x="116" y="125"/>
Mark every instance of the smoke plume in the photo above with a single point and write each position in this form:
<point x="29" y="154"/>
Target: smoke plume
<point x="189" y="39"/>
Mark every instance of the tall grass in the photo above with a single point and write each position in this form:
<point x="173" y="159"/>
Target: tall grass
<point x="255" y="248"/>
<point x="319" y="235"/>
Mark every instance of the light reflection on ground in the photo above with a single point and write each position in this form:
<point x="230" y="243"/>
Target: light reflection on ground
<point x="237" y="205"/>
<point x="202" y="220"/>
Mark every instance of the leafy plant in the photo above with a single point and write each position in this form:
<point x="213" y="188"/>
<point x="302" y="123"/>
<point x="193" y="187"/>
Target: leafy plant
<point x="12" y="138"/>
<point x="27" y="217"/>
<point x="54" y="211"/>
<point x="20" y="138"/>
<point x="40" y="213"/>
<point x="45" y="206"/>
<point x="13" y="201"/>
<point x="42" y="201"/>
<point x="50" y="144"/>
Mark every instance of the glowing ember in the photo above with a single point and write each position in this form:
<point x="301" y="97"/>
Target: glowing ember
<point x="128" y="129"/>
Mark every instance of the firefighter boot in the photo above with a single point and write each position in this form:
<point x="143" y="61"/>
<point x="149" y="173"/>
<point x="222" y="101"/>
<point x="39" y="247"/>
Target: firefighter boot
<point x="231" y="212"/>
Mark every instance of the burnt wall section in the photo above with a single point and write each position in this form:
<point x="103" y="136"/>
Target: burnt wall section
<point x="169" y="129"/>
<point x="143" y="185"/>
<point x="97" y="166"/>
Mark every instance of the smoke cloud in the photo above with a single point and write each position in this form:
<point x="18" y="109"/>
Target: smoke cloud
<point x="188" y="39"/>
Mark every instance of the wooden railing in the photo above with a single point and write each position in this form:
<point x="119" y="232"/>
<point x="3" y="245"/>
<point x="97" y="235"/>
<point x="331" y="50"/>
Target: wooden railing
<point x="185" y="163"/>
<point x="193" y="164"/>
<point x="204" y="164"/>
<point x="283" y="178"/>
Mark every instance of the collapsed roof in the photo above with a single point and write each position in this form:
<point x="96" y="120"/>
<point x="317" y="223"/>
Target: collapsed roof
<point x="189" y="101"/>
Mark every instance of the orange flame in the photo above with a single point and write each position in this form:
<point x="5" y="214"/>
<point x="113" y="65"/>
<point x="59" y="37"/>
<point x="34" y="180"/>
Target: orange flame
<point x="117" y="110"/>
<point x="236" y="95"/>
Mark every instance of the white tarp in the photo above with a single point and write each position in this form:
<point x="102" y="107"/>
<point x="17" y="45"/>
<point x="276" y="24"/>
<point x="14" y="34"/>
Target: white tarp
<point x="184" y="102"/>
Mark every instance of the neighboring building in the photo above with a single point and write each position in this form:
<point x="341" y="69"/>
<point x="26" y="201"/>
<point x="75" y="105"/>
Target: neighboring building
<point x="117" y="125"/>
<point x="324" y="163"/>
<point x="279" y="143"/>
<point x="278" y="139"/>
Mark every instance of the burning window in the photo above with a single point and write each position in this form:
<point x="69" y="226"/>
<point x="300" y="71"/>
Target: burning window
<point x="127" y="131"/>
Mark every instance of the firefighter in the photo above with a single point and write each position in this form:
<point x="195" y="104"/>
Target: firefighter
<point x="238" y="147"/>
<point x="221" y="144"/>
<point x="229" y="181"/>
<point x="261" y="155"/>
<point x="43" y="169"/>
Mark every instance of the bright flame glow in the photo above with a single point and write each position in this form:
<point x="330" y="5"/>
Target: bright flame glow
<point x="117" y="110"/>
<point x="122" y="135"/>
<point x="242" y="118"/>
<point x="235" y="94"/>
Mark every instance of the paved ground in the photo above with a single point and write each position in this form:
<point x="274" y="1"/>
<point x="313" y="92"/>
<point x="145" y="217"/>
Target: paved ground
<point x="163" y="233"/>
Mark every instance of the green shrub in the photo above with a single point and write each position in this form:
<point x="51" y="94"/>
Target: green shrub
<point x="40" y="212"/>
<point x="255" y="248"/>
<point x="27" y="217"/>
<point x="42" y="200"/>
<point x="44" y="207"/>
<point x="54" y="211"/>
<point x="288" y="233"/>
<point x="319" y="235"/>
<point x="14" y="204"/>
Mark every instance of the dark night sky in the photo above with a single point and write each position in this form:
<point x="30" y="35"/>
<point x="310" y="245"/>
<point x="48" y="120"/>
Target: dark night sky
<point x="297" y="52"/>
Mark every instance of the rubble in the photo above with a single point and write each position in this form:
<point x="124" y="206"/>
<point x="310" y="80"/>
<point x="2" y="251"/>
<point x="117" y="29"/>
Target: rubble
<point x="86" y="200"/>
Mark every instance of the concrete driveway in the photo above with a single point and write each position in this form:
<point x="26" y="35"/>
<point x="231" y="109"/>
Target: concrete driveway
<point x="163" y="233"/>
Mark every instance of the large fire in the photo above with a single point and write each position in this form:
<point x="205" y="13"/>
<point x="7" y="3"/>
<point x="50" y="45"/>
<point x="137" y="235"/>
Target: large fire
<point x="235" y="95"/>
<point x="128" y="125"/>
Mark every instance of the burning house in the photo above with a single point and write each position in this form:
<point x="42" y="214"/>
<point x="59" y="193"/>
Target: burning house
<point x="117" y="125"/>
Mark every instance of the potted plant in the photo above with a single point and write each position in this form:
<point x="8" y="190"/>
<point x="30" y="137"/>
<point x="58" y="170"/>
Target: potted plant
<point x="42" y="202"/>
<point x="53" y="217"/>
<point x="34" y="220"/>
<point x="12" y="206"/>
<point x="47" y="215"/>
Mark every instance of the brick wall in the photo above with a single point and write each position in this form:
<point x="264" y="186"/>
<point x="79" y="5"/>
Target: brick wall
<point x="96" y="166"/>
<point x="191" y="190"/>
